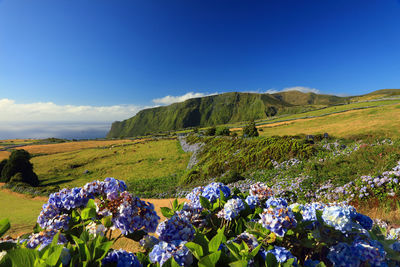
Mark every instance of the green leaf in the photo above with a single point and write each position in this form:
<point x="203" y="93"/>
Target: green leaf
<point x="91" y="204"/>
<point x="174" y="263"/>
<point x="210" y="259"/>
<point x="88" y="213"/>
<point x="254" y="252"/>
<point x="175" y="204"/>
<point x="204" y="202"/>
<point x="4" y="226"/>
<point x="136" y="236"/>
<point x="167" y="212"/>
<point x="196" y="249"/>
<point x="222" y="197"/>
<point x="239" y="263"/>
<point x="321" y="264"/>
<point x="288" y="263"/>
<point x="102" y="249"/>
<point x="215" y="242"/>
<point x="23" y="257"/>
<point x="270" y="260"/>
<point x="107" y="222"/>
<point x="54" y="257"/>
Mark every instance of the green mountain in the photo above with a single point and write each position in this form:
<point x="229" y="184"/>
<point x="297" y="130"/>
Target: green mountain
<point x="220" y="109"/>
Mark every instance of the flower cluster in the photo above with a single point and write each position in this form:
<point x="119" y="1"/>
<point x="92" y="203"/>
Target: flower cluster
<point x="249" y="239"/>
<point x="252" y="201"/>
<point x="281" y="254"/>
<point x="121" y="258"/>
<point x="278" y="220"/>
<point x="193" y="215"/>
<point x="175" y="228"/>
<point x="231" y="209"/>
<point x="260" y="190"/>
<point x="44" y="238"/>
<point x="163" y="251"/>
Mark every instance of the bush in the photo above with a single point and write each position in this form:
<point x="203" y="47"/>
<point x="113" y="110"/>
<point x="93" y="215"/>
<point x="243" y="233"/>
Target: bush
<point x="224" y="131"/>
<point x="250" y="130"/>
<point x="210" y="131"/>
<point x="230" y="177"/>
<point x="19" y="163"/>
<point x="2" y="164"/>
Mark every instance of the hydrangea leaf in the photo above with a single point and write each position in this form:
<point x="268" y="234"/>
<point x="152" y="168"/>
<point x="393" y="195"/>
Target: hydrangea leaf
<point x="210" y="259"/>
<point x="4" y="226"/>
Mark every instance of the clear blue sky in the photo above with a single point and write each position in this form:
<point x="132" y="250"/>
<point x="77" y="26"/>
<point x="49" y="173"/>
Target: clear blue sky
<point x="93" y="52"/>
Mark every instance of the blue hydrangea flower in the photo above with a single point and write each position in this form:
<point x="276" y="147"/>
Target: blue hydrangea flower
<point x="112" y="187"/>
<point x="252" y="201"/>
<point x="281" y="254"/>
<point x="276" y="202"/>
<point x="343" y="255"/>
<point x="365" y="221"/>
<point x="163" y="251"/>
<point x="193" y="214"/>
<point x="278" y="220"/>
<point x="371" y="252"/>
<point x="134" y="215"/>
<point x="194" y="196"/>
<point x="341" y="218"/>
<point x="65" y="256"/>
<point x="175" y="228"/>
<point x="44" y="238"/>
<point x="232" y="208"/>
<point x="121" y="258"/>
<point x="212" y="191"/>
<point x="395" y="246"/>
<point x="311" y="263"/>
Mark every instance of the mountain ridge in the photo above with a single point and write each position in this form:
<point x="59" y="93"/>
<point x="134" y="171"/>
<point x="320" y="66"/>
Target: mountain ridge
<point x="226" y="108"/>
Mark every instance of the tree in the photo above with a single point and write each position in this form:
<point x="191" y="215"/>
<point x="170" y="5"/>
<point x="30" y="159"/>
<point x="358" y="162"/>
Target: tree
<point x="211" y="131"/>
<point x="223" y="131"/>
<point x="18" y="162"/>
<point x="250" y="130"/>
<point x="2" y="164"/>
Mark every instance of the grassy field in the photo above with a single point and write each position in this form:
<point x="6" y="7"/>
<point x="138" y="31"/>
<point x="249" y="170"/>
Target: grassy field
<point x="382" y="121"/>
<point x="22" y="210"/>
<point x="129" y="161"/>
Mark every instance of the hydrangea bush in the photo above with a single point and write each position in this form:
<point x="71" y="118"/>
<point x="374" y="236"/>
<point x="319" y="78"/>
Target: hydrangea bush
<point x="217" y="226"/>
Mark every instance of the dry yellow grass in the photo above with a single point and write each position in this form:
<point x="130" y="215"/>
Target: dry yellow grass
<point x="4" y="155"/>
<point x="71" y="146"/>
<point x="384" y="120"/>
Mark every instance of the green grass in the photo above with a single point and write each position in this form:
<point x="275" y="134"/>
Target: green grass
<point x="141" y="161"/>
<point x="22" y="211"/>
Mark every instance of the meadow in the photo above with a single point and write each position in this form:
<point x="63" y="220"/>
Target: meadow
<point x="361" y="154"/>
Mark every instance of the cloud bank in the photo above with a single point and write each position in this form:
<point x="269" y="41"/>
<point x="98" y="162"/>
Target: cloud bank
<point x="167" y="100"/>
<point x="11" y="111"/>
<point x="296" y="88"/>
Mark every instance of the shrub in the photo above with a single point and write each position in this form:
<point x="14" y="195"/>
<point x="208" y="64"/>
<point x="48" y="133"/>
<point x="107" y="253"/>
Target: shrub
<point x="19" y="163"/>
<point x="250" y="130"/>
<point x="224" y="131"/>
<point x="210" y="131"/>
<point x="230" y="177"/>
<point x="2" y="164"/>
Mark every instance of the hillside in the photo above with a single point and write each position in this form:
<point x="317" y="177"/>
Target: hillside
<point x="220" y="109"/>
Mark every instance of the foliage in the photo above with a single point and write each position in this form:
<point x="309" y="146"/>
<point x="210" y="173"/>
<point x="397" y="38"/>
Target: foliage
<point x="250" y="130"/>
<point x="19" y="163"/>
<point x="2" y="164"/>
<point x="223" y="131"/>
<point x="210" y="131"/>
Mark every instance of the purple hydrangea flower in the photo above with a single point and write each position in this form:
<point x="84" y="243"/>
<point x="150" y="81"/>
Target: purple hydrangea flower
<point x="121" y="258"/>
<point x="194" y="196"/>
<point x="249" y="239"/>
<point x="260" y="190"/>
<point x="148" y="241"/>
<point x="365" y="221"/>
<point x="371" y="252"/>
<point x="44" y="238"/>
<point x="193" y="215"/>
<point x="175" y="228"/>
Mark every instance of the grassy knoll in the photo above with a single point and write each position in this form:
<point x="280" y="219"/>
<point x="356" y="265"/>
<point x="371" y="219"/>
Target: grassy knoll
<point x="383" y="121"/>
<point x="129" y="162"/>
<point x="4" y="155"/>
<point x="22" y="211"/>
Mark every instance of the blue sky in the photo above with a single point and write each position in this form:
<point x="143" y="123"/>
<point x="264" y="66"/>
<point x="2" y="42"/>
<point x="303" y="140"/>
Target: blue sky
<point x="113" y="58"/>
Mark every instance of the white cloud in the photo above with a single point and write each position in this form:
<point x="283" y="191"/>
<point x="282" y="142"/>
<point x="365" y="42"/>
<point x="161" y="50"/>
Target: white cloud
<point x="166" y="100"/>
<point x="302" y="89"/>
<point x="11" y="111"/>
